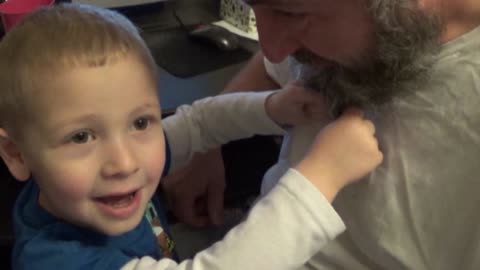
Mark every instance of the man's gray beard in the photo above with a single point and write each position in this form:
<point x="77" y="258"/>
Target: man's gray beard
<point x="407" y="43"/>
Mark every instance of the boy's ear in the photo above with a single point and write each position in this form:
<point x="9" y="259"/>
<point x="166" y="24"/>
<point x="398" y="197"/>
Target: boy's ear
<point x="12" y="157"/>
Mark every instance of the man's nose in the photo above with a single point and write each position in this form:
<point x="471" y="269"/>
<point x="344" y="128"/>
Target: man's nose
<point x="120" y="160"/>
<point x="277" y="40"/>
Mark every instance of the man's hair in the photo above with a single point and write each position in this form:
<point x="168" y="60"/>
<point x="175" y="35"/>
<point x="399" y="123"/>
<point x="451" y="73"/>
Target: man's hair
<point x="58" y="38"/>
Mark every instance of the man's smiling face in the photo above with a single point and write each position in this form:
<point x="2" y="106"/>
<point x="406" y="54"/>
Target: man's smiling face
<point x="356" y="52"/>
<point x="340" y="31"/>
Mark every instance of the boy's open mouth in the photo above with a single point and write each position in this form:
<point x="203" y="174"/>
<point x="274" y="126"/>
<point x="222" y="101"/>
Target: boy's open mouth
<point x="119" y="206"/>
<point x="118" y="201"/>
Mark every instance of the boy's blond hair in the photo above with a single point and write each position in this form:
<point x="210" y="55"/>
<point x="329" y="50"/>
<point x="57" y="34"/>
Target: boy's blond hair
<point x="55" y="39"/>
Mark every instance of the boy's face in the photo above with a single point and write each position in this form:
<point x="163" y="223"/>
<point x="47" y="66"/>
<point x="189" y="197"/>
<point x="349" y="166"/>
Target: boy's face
<point x="97" y="147"/>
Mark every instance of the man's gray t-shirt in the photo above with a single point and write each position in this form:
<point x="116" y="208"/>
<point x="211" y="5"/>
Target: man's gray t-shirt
<point x="420" y="208"/>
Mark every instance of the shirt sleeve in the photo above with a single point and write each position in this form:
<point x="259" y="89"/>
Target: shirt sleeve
<point x="214" y="121"/>
<point x="283" y="230"/>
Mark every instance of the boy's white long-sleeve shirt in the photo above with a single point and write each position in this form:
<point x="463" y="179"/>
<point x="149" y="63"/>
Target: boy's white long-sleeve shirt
<point x="213" y="121"/>
<point x="284" y="229"/>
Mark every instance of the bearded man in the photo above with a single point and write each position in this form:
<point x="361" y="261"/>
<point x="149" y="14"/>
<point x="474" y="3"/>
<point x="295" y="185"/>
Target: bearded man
<point x="414" y="65"/>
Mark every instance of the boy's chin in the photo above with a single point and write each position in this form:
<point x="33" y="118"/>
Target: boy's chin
<point x="117" y="228"/>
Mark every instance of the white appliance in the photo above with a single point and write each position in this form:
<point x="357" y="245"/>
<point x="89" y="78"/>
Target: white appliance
<point x="116" y="3"/>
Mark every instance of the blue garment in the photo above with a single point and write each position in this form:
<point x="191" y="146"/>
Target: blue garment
<point x="45" y="242"/>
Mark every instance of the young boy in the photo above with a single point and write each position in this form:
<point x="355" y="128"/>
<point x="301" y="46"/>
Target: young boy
<point x="80" y="119"/>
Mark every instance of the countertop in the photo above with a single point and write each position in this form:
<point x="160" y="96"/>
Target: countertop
<point x="161" y="22"/>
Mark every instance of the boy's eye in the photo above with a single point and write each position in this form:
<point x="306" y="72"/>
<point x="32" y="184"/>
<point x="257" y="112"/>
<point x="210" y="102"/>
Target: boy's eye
<point x="141" y="123"/>
<point x="81" y="137"/>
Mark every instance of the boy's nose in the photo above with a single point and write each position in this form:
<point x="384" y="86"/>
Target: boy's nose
<point x="120" y="161"/>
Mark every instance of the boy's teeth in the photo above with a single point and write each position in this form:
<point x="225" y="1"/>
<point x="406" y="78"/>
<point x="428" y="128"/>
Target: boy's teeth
<point x="118" y="201"/>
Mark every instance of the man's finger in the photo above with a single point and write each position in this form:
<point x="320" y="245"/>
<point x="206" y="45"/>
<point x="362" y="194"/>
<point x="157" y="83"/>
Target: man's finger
<point x="188" y="213"/>
<point x="215" y="201"/>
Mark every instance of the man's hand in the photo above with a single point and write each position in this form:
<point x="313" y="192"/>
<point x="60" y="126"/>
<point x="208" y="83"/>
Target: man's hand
<point x="296" y="105"/>
<point x="195" y="192"/>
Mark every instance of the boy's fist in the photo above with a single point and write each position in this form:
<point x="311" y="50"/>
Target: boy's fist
<point x="343" y="152"/>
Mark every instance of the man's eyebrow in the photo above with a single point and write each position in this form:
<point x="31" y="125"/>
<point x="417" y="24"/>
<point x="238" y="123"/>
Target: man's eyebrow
<point x="272" y="3"/>
<point x="251" y="2"/>
<point x="259" y="2"/>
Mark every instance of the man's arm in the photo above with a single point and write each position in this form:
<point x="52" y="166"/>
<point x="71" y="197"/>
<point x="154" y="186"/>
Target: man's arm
<point x="195" y="193"/>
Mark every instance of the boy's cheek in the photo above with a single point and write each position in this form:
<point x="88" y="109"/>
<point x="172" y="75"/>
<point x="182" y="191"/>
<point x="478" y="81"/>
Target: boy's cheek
<point x="153" y="160"/>
<point x="156" y="166"/>
<point x="67" y="182"/>
<point x="73" y="188"/>
<point x="63" y="197"/>
<point x="155" y="157"/>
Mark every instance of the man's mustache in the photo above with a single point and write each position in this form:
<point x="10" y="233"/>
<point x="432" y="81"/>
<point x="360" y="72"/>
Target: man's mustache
<point x="304" y="56"/>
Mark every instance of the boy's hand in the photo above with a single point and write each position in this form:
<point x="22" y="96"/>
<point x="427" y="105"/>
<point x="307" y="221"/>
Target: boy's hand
<point x="295" y="105"/>
<point x="343" y="152"/>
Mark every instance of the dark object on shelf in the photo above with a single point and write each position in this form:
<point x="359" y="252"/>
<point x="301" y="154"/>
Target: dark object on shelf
<point x="216" y="36"/>
<point x="183" y="57"/>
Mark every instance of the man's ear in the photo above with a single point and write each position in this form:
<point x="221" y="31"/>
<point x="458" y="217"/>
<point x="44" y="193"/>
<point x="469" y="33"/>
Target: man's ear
<point x="12" y="157"/>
